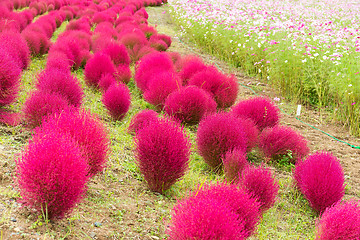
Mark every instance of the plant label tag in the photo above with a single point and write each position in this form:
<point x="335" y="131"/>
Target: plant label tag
<point x="298" y="110"/>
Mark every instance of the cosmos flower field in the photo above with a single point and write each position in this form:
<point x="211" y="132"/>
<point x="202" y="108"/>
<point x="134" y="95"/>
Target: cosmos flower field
<point x="309" y="50"/>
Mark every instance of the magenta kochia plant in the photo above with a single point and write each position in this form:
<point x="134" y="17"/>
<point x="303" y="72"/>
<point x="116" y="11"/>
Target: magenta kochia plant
<point x="87" y="130"/>
<point x="277" y="141"/>
<point x="51" y="174"/>
<point x="162" y="153"/>
<point x="234" y="162"/>
<point x="41" y="104"/>
<point x="223" y="88"/>
<point x="151" y="64"/>
<point x="340" y="221"/>
<point x="190" y="104"/>
<point x="117" y="100"/>
<point x="54" y="80"/>
<point x="218" y="134"/>
<point x="260" y="183"/>
<point x="97" y="66"/>
<point x="320" y="178"/>
<point x="261" y="110"/>
<point x="188" y="66"/>
<point x="9" y="78"/>
<point x="117" y="53"/>
<point x="16" y="47"/>
<point x="205" y="218"/>
<point x="191" y="220"/>
<point x="142" y="119"/>
<point x="160" y="86"/>
<point x="251" y="131"/>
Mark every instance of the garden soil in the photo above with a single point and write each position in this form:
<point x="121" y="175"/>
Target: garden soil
<point x="135" y="204"/>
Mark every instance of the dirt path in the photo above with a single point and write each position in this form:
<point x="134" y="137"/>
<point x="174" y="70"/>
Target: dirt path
<point x="349" y="157"/>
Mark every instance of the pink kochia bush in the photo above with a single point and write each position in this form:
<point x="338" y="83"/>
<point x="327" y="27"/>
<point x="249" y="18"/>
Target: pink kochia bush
<point x="206" y="219"/>
<point x="96" y="67"/>
<point x="209" y="212"/>
<point x="117" y="53"/>
<point x="320" y="178"/>
<point x="53" y="80"/>
<point x="151" y="64"/>
<point x="160" y="86"/>
<point x="251" y="131"/>
<point x="9" y="78"/>
<point x="188" y="66"/>
<point x="117" y="100"/>
<point x="190" y="104"/>
<point x="41" y="104"/>
<point x="16" y="47"/>
<point x="218" y="134"/>
<point x="162" y="153"/>
<point x="234" y="163"/>
<point x="142" y="119"/>
<point x="87" y="130"/>
<point x="278" y="141"/>
<point x="340" y="221"/>
<point x="223" y="88"/>
<point x="51" y="174"/>
<point x="261" y="110"/>
<point x="260" y="183"/>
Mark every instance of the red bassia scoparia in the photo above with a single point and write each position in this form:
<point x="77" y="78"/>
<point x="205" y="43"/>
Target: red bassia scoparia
<point x="320" y="178"/>
<point x="51" y="174"/>
<point x="162" y="153"/>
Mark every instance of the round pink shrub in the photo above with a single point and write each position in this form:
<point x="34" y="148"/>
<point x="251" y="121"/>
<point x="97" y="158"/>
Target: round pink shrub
<point x="205" y="218"/>
<point x="149" y="65"/>
<point x="57" y="81"/>
<point x="189" y="104"/>
<point x="158" y="45"/>
<point x="51" y="175"/>
<point x="106" y="81"/>
<point x="320" y="178"/>
<point x="234" y="163"/>
<point x="16" y="47"/>
<point x="87" y="130"/>
<point x="9" y="78"/>
<point x="117" y="100"/>
<point x="97" y="66"/>
<point x="132" y="38"/>
<point x="41" y="104"/>
<point x="188" y="66"/>
<point x="160" y="86"/>
<point x="340" y="221"/>
<point x="58" y="60"/>
<point x="260" y="183"/>
<point x="261" y="110"/>
<point x="237" y="200"/>
<point x="223" y="88"/>
<point x="251" y="131"/>
<point x="218" y="134"/>
<point x="142" y="119"/>
<point x="138" y="52"/>
<point x="117" y="53"/>
<point x="37" y="42"/>
<point x="175" y="58"/>
<point x="162" y="153"/>
<point x="277" y="141"/>
<point x="123" y="74"/>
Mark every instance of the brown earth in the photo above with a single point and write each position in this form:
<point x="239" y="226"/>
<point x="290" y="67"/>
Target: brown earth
<point x="119" y="201"/>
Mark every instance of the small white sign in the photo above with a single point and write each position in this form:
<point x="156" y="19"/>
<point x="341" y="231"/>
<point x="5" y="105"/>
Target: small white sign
<point x="298" y="110"/>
